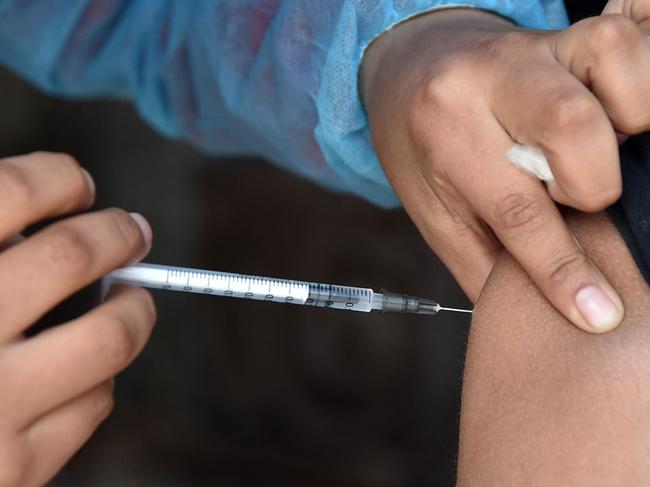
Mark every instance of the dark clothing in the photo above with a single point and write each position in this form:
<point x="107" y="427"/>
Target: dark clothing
<point x="632" y="212"/>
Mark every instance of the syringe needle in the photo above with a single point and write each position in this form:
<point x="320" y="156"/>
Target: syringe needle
<point x="455" y="310"/>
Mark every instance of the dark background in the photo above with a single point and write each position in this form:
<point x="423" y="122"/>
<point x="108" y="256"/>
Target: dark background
<point x="579" y="9"/>
<point x="232" y="393"/>
<point x="239" y="393"/>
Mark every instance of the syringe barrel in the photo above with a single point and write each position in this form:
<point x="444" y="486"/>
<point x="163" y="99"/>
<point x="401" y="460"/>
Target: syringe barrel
<point x="339" y="297"/>
<point x="247" y="287"/>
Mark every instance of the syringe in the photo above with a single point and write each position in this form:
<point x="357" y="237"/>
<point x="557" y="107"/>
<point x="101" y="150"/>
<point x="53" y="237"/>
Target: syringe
<point x="259" y="288"/>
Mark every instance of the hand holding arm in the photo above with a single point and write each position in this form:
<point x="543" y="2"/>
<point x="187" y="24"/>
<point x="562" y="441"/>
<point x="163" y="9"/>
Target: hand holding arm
<point x="449" y="93"/>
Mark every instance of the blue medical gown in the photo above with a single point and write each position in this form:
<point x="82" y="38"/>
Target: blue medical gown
<point x="278" y="78"/>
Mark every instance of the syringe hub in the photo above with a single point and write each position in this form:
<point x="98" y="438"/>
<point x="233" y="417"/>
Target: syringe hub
<point x="401" y="303"/>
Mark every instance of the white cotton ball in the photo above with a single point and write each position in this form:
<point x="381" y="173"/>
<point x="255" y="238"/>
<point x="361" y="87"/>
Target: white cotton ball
<point x="532" y="160"/>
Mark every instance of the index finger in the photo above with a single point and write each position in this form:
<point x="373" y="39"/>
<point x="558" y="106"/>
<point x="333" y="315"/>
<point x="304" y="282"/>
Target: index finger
<point x="529" y="225"/>
<point x="63" y="258"/>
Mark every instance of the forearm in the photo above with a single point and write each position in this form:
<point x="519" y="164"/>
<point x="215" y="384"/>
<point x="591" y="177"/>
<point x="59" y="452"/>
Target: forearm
<point x="547" y="404"/>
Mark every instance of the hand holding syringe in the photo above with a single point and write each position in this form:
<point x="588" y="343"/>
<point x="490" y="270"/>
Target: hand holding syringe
<point x="273" y="290"/>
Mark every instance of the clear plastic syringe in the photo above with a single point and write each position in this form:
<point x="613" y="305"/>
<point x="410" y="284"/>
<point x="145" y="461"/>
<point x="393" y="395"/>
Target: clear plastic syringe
<point x="274" y="290"/>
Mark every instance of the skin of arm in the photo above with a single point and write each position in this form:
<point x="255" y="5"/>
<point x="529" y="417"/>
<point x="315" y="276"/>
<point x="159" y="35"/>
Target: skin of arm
<point x="546" y="404"/>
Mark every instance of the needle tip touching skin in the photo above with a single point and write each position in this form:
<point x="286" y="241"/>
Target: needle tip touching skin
<point x="600" y="312"/>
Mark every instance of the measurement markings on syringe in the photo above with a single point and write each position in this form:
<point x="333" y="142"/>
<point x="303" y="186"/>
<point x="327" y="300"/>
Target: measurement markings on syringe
<point x="340" y="297"/>
<point x="236" y="285"/>
<point x="270" y="289"/>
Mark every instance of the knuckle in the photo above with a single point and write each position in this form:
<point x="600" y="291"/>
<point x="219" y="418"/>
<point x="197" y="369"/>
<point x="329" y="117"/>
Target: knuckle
<point x="441" y="86"/>
<point x="14" y="184"/>
<point x="566" y="267"/>
<point x="66" y="168"/>
<point x="435" y="98"/>
<point x="68" y="249"/>
<point x="426" y="99"/>
<point x="568" y="110"/>
<point x="518" y="210"/>
<point x="114" y="342"/>
<point x="435" y="92"/>
<point x="616" y="32"/>
<point x="124" y="228"/>
<point x="417" y="117"/>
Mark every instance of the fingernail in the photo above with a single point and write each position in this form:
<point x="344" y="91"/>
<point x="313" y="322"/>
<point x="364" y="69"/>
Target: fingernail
<point x="89" y="181"/>
<point x="598" y="309"/>
<point x="145" y="228"/>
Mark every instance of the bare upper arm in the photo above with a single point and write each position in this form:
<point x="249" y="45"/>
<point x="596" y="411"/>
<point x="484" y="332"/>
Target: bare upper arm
<point x="547" y="404"/>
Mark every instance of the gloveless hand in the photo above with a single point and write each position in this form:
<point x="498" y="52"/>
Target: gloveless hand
<point x="57" y="387"/>
<point x="449" y="93"/>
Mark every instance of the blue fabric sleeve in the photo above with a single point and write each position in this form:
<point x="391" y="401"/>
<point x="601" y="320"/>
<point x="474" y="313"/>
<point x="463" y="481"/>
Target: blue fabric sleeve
<point x="276" y="78"/>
